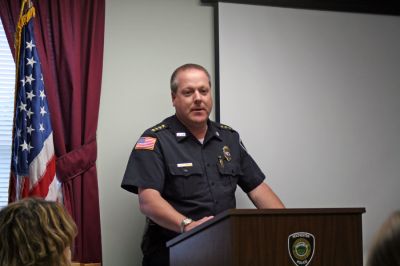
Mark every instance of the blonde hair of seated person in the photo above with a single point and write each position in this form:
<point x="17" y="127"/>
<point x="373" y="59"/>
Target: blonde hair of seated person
<point x="386" y="248"/>
<point x="35" y="232"/>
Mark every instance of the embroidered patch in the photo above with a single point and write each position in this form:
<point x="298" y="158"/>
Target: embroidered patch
<point x="145" y="143"/>
<point x="301" y="247"/>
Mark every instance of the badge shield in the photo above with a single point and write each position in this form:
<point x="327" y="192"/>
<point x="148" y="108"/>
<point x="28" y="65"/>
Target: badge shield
<point x="301" y="248"/>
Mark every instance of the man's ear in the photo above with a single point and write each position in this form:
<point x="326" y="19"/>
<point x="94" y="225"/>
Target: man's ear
<point x="173" y="96"/>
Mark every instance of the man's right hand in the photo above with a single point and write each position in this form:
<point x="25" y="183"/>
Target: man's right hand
<point x="154" y="206"/>
<point x="197" y="223"/>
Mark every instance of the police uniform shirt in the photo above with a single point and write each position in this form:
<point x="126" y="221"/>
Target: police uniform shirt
<point x="197" y="179"/>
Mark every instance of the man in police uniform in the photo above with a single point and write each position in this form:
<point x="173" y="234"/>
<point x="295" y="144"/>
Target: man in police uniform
<point x="186" y="168"/>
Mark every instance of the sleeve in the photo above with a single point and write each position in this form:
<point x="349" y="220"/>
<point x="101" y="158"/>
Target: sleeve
<point x="252" y="174"/>
<point x="146" y="168"/>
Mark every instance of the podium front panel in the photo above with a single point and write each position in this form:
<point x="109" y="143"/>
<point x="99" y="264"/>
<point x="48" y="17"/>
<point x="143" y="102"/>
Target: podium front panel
<point x="289" y="237"/>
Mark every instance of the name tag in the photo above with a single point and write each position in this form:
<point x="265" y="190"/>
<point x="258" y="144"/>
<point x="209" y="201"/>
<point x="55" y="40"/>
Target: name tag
<point x="184" y="165"/>
<point x="181" y="134"/>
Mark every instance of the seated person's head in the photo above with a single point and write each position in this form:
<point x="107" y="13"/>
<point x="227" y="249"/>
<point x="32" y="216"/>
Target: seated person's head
<point x="386" y="248"/>
<point x="35" y="232"/>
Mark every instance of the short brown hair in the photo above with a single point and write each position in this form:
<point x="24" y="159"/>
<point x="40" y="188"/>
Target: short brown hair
<point x="35" y="232"/>
<point x="386" y="247"/>
<point x="174" y="82"/>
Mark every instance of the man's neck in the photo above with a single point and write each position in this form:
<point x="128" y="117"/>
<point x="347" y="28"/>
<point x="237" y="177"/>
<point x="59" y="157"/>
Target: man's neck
<point x="198" y="131"/>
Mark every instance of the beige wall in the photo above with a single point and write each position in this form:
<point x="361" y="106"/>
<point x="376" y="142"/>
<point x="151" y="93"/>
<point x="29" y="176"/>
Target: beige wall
<point x="144" y="41"/>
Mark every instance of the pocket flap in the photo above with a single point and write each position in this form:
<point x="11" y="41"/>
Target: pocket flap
<point x="194" y="169"/>
<point x="229" y="169"/>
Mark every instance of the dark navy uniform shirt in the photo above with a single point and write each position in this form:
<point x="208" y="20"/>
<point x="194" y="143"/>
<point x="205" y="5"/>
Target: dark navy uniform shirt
<point x="197" y="179"/>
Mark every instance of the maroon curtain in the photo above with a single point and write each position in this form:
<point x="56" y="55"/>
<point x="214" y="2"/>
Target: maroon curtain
<point x="70" y="37"/>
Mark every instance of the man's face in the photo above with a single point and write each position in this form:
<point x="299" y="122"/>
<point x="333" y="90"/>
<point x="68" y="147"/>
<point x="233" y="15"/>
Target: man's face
<point x="192" y="100"/>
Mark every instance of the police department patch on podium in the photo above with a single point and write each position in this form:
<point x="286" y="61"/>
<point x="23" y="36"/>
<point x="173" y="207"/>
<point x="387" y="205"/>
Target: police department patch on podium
<point x="301" y="248"/>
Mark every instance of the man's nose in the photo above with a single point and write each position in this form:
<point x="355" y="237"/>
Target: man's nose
<point x="197" y="96"/>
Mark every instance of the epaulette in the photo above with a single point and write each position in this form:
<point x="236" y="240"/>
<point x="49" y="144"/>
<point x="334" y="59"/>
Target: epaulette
<point x="159" y="127"/>
<point x="222" y="126"/>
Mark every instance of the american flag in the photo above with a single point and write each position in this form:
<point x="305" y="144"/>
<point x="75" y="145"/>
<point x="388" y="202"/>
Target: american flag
<point x="33" y="166"/>
<point x="145" y="143"/>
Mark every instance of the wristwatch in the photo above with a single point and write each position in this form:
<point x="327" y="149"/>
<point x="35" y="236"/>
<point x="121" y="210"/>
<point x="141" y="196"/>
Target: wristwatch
<point x="185" y="222"/>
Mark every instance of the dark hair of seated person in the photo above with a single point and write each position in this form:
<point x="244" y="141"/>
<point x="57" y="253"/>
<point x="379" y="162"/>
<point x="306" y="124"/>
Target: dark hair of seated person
<point x="36" y="232"/>
<point x="385" y="250"/>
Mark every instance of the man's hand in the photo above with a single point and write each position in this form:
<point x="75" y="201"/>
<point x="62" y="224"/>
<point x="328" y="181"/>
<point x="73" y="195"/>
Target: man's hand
<point x="197" y="223"/>
<point x="154" y="206"/>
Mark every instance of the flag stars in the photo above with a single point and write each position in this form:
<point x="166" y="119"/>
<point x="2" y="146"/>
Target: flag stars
<point x="42" y="95"/>
<point x="29" y="79"/>
<point x="23" y="82"/>
<point x="29" y="113"/>
<point x="30" y="45"/>
<point x="30" y="129"/>
<point x="19" y="133"/>
<point x="22" y="106"/>
<point x="30" y="95"/>
<point x="41" y="127"/>
<point x="31" y="61"/>
<point x="29" y="147"/>
<point x="42" y="111"/>
<point x="24" y="146"/>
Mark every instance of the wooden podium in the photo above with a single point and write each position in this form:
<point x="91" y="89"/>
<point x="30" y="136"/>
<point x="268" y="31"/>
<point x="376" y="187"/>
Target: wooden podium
<point x="274" y="237"/>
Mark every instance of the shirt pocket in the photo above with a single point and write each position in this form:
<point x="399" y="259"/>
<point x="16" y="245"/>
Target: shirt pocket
<point x="229" y="173"/>
<point x="176" y="170"/>
<point x="186" y="182"/>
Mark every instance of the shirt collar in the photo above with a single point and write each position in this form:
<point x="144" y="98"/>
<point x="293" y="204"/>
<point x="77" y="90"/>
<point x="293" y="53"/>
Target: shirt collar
<point x="212" y="132"/>
<point x="181" y="132"/>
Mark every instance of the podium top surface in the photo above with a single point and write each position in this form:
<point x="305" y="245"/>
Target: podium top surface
<point x="265" y="212"/>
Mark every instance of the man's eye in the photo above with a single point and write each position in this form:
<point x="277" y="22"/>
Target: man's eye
<point x="187" y="93"/>
<point x="204" y="91"/>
